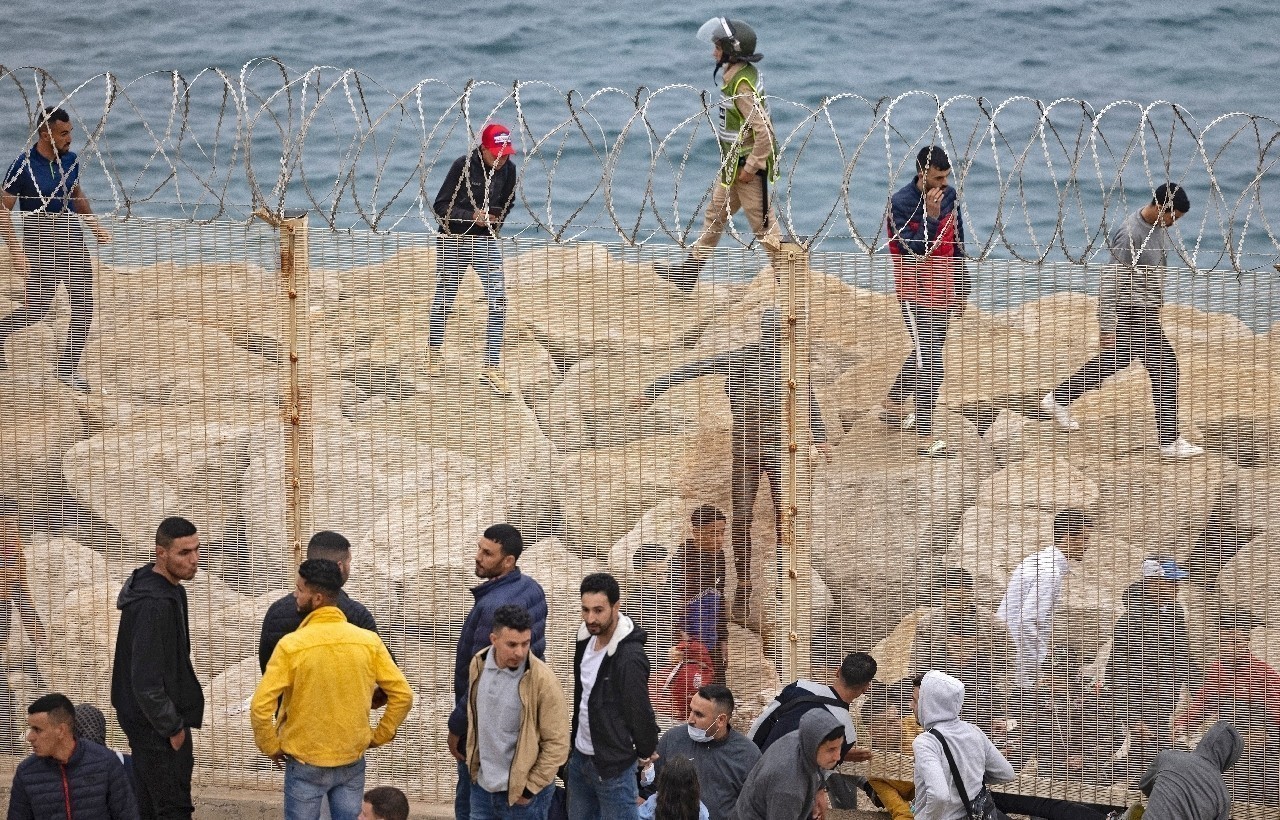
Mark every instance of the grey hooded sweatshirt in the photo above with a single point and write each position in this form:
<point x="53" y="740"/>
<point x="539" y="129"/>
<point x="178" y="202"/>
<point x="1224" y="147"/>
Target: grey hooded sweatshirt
<point x="1189" y="786"/>
<point x="977" y="758"/>
<point x="784" y="783"/>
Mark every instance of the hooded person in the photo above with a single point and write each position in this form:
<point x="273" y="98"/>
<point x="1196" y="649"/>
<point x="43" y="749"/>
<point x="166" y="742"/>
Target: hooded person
<point x="1190" y="786"/>
<point x="786" y="781"/>
<point x="937" y="700"/>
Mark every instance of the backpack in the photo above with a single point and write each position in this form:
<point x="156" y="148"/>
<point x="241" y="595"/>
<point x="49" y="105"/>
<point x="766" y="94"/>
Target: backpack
<point x="670" y="691"/>
<point x="765" y="729"/>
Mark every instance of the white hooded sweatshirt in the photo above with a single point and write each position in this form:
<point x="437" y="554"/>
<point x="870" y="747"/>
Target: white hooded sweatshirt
<point x="977" y="758"/>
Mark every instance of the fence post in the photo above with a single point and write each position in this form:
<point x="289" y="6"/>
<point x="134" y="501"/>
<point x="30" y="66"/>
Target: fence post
<point x="796" y="492"/>
<point x="295" y="270"/>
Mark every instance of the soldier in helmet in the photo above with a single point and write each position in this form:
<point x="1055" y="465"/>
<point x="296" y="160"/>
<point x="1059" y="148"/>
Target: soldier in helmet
<point x="748" y="151"/>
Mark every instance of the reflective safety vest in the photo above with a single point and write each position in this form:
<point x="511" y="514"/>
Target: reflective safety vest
<point x="735" y="137"/>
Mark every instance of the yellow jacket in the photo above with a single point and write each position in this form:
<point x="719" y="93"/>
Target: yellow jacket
<point x="323" y="677"/>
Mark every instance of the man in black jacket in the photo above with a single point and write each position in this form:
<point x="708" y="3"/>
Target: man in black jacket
<point x="613" y="721"/>
<point x="472" y="204"/>
<point x="66" y="777"/>
<point x="283" y="616"/>
<point x="154" y="689"/>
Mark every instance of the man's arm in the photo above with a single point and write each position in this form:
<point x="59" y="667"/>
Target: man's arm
<point x="913" y="229"/>
<point x="399" y="696"/>
<point x="19" y="802"/>
<point x="122" y="804"/>
<point x="446" y="203"/>
<point x="262" y="708"/>
<point x="155" y="641"/>
<point x="80" y="204"/>
<point x="504" y="199"/>
<point x="553" y="737"/>
<point x="637" y="709"/>
<point x="712" y="365"/>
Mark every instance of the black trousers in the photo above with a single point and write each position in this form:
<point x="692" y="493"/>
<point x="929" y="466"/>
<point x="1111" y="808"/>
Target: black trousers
<point x="164" y="777"/>
<point x="1049" y="809"/>
<point x="752" y="457"/>
<point x="1138" y="336"/>
<point x="56" y="255"/>
<point x="921" y="373"/>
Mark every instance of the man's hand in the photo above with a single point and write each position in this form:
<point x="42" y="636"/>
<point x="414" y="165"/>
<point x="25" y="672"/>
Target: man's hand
<point x="745" y="176"/>
<point x="481" y="218"/>
<point x="933" y="203"/>
<point x="1106" y="340"/>
<point x="177" y="740"/>
<point x="454" y="741"/>
<point x="523" y="801"/>
<point x="278" y="760"/>
<point x="821" y="805"/>
<point x="857" y="755"/>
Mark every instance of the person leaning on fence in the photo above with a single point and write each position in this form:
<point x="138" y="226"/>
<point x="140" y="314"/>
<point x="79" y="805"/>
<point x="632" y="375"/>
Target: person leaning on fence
<point x="1189" y="785"/>
<point x="473" y="203"/>
<point x="154" y="688"/>
<point x="1130" y="296"/>
<point x="310" y="712"/>
<point x="43" y="185"/>
<point x="748" y="153"/>
<point x="931" y="279"/>
<point x="787" y="783"/>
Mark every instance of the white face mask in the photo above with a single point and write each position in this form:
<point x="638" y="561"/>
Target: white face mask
<point x="702" y="735"/>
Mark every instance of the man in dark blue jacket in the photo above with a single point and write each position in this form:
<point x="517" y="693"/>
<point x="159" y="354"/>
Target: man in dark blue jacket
<point x="497" y="552"/>
<point x="154" y="689"/>
<point x="66" y="777"/>
<point x="471" y="205"/>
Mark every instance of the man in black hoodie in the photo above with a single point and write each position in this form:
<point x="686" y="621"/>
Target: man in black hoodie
<point x="472" y="204"/>
<point x="613" y="720"/>
<point x="154" y="690"/>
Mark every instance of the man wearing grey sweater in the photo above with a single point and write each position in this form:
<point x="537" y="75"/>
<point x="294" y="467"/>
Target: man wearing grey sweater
<point x="1129" y="301"/>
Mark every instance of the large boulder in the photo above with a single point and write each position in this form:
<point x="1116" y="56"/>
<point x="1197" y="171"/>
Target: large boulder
<point x="1050" y="484"/>
<point x="225" y="742"/>
<point x="82" y="628"/>
<point x="1158" y="504"/>
<point x="229" y="632"/>
<point x="560" y="573"/>
<point x="1246" y="580"/>
<point x="38" y="423"/>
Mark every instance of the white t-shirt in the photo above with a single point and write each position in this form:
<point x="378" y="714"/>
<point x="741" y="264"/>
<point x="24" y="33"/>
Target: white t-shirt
<point x="590" y="667"/>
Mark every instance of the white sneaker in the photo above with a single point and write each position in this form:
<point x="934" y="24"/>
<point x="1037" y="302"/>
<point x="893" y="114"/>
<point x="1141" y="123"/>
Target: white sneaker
<point x="1181" y="448"/>
<point x="1061" y="414"/>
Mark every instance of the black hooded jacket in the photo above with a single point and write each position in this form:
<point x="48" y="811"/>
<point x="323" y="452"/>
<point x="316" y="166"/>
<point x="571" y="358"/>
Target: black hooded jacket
<point x="623" y="726"/>
<point x="153" y="686"/>
<point x="1150" y="657"/>
<point x="472" y="186"/>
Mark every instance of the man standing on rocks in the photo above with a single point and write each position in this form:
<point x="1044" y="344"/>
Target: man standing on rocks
<point x="497" y="552"/>
<point x="748" y="152"/>
<point x="473" y="202"/>
<point x="43" y="184"/>
<point x="613" y="720"/>
<point x="926" y="239"/>
<point x="1035" y="586"/>
<point x="311" y="709"/>
<point x="753" y="380"/>
<point x="1129" y="301"/>
<point x="154" y="689"/>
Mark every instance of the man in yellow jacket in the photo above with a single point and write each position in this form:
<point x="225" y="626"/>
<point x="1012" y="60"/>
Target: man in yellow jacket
<point x="322" y="679"/>
<point x="517" y="723"/>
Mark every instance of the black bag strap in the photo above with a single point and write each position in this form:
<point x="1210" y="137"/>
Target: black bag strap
<point x="955" y="771"/>
<point x="767" y="725"/>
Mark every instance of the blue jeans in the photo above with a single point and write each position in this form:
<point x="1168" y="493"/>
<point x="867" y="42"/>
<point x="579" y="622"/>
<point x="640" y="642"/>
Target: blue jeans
<point x="493" y="805"/>
<point x="462" y="793"/>
<point x="305" y="788"/>
<point x="453" y="254"/>
<point x="594" y="798"/>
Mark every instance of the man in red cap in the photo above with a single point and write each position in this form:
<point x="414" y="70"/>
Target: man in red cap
<point x="472" y="204"/>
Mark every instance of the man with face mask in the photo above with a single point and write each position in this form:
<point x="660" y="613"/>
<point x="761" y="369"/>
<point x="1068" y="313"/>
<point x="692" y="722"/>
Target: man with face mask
<point x="722" y="755"/>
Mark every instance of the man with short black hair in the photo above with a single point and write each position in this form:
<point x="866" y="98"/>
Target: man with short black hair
<point x="1129" y="300"/>
<point x="784" y="712"/>
<point x="698" y="573"/>
<point x="926" y="241"/>
<point x="283" y="616"/>
<point x="66" y="777"/>
<point x="154" y="689"/>
<point x="497" y="552"/>
<point x="43" y="184"/>
<point x="385" y="803"/>
<point x="722" y="755"/>
<point x="311" y="708"/>
<point x="613" y="720"/>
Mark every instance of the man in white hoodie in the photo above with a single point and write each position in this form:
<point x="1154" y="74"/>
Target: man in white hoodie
<point x="937" y="699"/>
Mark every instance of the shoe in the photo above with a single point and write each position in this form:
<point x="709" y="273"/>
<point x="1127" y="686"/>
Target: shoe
<point x="493" y="378"/>
<point x="1061" y="414"/>
<point x="433" y="365"/>
<point x="683" y="276"/>
<point x="75" y="381"/>
<point x="894" y="418"/>
<point x="937" y="449"/>
<point x="1181" y="448"/>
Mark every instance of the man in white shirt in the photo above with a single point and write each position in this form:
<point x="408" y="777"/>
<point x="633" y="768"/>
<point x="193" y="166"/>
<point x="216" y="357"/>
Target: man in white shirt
<point x="1034" y="589"/>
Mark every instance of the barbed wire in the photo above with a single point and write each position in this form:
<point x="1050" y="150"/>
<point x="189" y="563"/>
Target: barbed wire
<point x="1037" y="179"/>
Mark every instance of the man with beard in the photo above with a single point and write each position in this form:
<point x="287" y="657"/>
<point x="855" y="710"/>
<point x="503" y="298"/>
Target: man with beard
<point x="322" y="678"/>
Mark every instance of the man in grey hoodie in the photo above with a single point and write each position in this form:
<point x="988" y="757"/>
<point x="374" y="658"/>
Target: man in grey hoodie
<point x="786" y="782"/>
<point x="1129" y="300"/>
<point x="1184" y="786"/>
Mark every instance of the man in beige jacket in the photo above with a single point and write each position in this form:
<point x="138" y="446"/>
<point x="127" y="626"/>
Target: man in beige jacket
<point x="517" y="724"/>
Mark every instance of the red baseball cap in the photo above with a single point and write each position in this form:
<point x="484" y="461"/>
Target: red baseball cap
<point x="497" y="138"/>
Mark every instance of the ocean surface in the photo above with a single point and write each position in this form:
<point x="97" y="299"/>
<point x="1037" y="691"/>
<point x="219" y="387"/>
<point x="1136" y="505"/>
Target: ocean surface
<point x="1211" y="59"/>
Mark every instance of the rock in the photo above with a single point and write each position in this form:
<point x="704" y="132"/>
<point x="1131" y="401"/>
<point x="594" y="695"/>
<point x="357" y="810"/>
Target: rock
<point x="666" y="524"/>
<point x="1246" y="580"/>
<point x="229" y="632"/>
<point x="58" y="565"/>
<point x="561" y="572"/>
<point x="82" y="630"/>
<point x="38" y="423"/>
<point x="992" y="540"/>
<point x="1049" y="484"/>
<point x="1159" y="505"/>
<point x="1005" y="437"/>
<point x="226" y="741"/>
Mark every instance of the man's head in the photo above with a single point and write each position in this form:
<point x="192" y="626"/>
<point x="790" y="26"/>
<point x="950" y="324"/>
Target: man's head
<point x="710" y="710"/>
<point x="1169" y="204"/>
<point x="177" y="549"/>
<point x="335" y="547"/>
<point x="53" y="132"/>
<point x="933" y="168"/>
<point x="956" y="589"/>
<point x="498" y="551"/>
<point x="512" y="636"/>
<point x="708" y="525"/>
<point x="601" y="603"/>
<point x="90" y="723"/>
<point x="961" y="639"/>
<point x="1234" y="629"/>
<point x="1161" y="576"/>
<point x="319" y="582"/>
<point x="384" y="803"/>
<point x="496" y="145"/>
<point x="857" y="670"/>
<point x="1072" y="529"/>
<point x="830" y="749"/>
<point x="50" y="726"/>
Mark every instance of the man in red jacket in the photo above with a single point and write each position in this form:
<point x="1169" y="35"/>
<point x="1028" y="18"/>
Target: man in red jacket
<point x="1238" y="678"/>
<point x="926" y="238"/>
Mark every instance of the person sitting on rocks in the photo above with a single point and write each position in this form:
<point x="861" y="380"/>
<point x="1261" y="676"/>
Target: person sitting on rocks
<point x="885" y="714"/>
<point x="1190" y="786"/>
<point x="1237" y="675"/>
